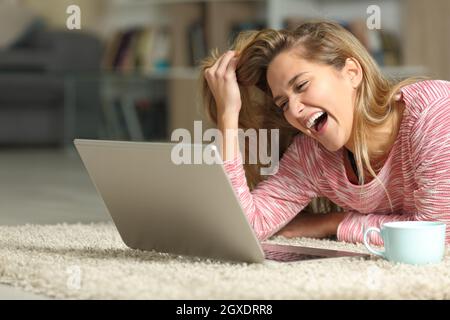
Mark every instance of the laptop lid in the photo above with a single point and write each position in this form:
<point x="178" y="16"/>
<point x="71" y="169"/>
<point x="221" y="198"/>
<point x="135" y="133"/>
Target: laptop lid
<point x="158" y="205"/>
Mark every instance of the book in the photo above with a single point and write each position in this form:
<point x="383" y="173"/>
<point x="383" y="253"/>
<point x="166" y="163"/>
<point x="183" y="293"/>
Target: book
<point x="144" y="60"/>
<point x="391" y="48"/>
<point x="162" y="49"/>
<point x="142" y="49"/>
<point x="123" y="47"/>
<point x="197" y="43"/>
<point x="128" y="59"/>
<point x="111" y="48"/>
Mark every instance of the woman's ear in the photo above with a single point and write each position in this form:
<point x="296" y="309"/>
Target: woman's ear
<point x="353" y="71"/>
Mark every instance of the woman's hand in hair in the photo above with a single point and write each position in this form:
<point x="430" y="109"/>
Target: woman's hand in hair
<point x="221" y="78"/>
<point x="312" y="225"/>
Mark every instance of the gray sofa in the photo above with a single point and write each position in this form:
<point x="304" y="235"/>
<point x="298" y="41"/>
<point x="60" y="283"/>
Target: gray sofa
<point x="32" y="88"/>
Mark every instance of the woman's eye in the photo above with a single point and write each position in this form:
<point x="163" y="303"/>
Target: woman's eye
<point x="285" y="106"/>
<point x="301" y="86"/>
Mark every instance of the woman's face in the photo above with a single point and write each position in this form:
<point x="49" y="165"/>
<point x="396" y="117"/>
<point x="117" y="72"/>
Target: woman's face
<point x="302" y="89"/>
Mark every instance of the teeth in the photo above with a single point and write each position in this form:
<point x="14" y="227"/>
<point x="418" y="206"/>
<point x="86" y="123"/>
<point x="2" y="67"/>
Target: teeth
<point x="314" y="118"/>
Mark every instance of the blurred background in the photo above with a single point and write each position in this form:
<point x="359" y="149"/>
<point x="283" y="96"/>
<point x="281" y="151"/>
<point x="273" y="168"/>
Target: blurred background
<point x="130" y="73"/>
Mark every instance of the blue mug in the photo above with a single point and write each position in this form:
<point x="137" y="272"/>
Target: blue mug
<point x="411" y="242"/>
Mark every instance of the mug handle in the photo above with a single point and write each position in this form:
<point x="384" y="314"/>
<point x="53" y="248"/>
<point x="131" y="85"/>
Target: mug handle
<point x="367" y="244"/>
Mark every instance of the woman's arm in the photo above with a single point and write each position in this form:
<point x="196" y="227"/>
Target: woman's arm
<point x="313" y="225"/>
<point x="278" y="199"/>
<point x="222" y="82"/>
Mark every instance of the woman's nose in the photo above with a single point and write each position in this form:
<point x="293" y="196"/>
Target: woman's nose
<point x="295" y="107"/>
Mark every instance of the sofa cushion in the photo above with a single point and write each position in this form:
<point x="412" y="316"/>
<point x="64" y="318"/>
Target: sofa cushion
<point x="31" y="88"/>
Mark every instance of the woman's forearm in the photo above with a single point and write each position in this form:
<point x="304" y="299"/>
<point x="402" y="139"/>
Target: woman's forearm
<point x="228" y="126"/>
<point x="313" y="225"/>
<point x="334" y="221"/>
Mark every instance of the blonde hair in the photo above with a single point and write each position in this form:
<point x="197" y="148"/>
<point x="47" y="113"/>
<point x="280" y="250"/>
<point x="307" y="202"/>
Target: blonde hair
<point x="322" y="42"/>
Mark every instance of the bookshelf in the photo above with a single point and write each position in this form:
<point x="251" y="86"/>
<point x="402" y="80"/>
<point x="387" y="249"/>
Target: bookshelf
<point x="197" y="26"/>
<point x="194" y="26"/>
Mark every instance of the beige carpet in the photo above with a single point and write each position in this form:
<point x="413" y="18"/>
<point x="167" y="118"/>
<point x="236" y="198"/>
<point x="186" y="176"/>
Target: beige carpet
<point x="91" y="262"/>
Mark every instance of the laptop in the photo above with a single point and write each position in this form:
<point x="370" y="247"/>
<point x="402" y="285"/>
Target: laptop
<point x="186" y="209"/>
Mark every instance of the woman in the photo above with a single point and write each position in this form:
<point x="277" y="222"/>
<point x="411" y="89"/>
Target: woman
<point x="378" y="150"/>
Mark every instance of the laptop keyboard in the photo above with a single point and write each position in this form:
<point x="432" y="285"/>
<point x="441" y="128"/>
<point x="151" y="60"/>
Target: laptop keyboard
<point x="288" y="256"/>
<point x="286" y="253"/>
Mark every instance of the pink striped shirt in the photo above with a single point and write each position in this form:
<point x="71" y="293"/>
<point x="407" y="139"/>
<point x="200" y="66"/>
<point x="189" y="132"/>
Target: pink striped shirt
<point x="416" y="175"/>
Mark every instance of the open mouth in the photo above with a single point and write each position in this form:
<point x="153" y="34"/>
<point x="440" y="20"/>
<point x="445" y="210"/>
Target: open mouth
<point x="320" y="122"/>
